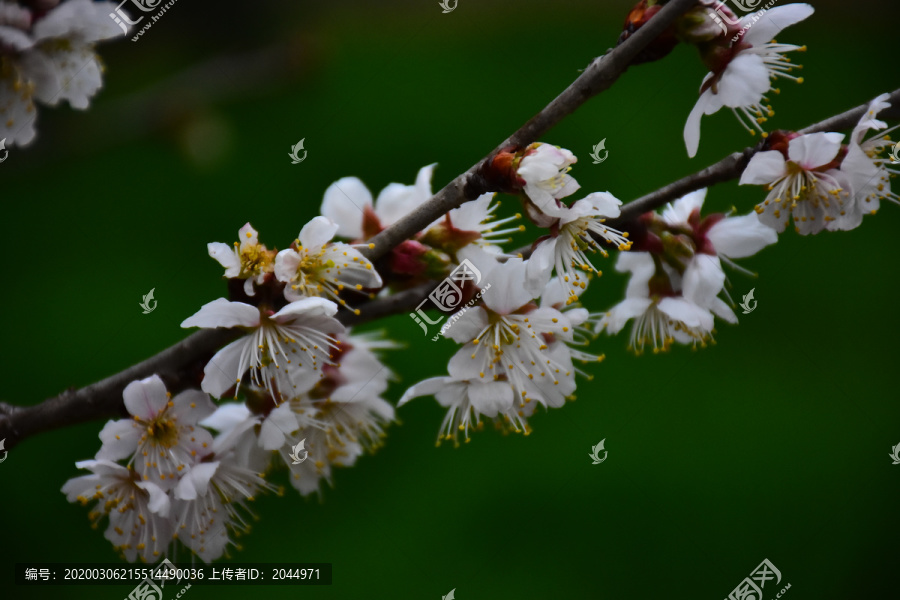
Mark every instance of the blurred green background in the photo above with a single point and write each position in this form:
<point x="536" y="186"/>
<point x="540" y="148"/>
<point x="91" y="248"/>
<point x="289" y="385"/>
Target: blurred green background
<point x="772" y="444"/>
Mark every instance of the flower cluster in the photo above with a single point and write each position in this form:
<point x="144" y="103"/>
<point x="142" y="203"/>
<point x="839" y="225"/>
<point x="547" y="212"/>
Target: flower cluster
<point x="47" y="55"/>
<point x="308" y="394"/>
<point x="820" y="182"/>
<point x="306" y="386"/>
<point x="178" y="483"/>
<point x="518" y="344"/>
<point x="676" y="273"/>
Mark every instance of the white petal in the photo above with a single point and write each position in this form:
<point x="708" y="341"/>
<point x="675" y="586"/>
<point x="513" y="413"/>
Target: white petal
<point x="317" y="233"/>
<point x="468" y="326"/>
<point x="227" y="416"/>
<point x="703" y="279"/>
<point x="723" y="311"/>
<point x="815" y="149"/>
<point x="191" y="406"/>
<point x="286" y="263"/>
<point x="738" y="237"/>
<point x="539" y="267"/>
<point x="774" y="21"/>
<point x="345" y="202"/>
<point x="491" y="398"/>
<point x="621" y="313"/>
<point x="507" y="292"/>
<point x="706" y="104"/>
<point x="80" y="20"/>
<point x="221" y="372"/>
<point x="280" y="421"/>
<point x="677" y="212"/>
<point x="744" y="81"/>
<point x="426" y="387"/>
<point x="222" y="313"/>
<point x="159" y="500"/>
<point x="764" y="168"/>
<point x="687" y="312"/>
<point x="146" y="398"/>
<point x="120" y="439"/>
<point x="195" y="483"/>
<point x="307" y="308"/>
<point x="227" y="258"/>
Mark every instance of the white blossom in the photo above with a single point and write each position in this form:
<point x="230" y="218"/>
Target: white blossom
<point x="299" y="336"/>
<point x="545" y="172"/>
<point x="248" y="259"/>
<point x="804" y="185"/>
<point x="210" y="503"/>
<point x="163" y="435"/>
<point x="319" y="268"/>
<point x="741" y="84"/>
<point x="138" y="511"/>
<point x="348" y="203"/>
<point x="53" y="61"/>
<point x="565" y="249"/>
<point x="663" y="315"/>
<point x="865" y="168"/>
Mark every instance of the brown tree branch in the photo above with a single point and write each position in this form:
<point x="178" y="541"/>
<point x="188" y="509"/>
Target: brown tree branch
<point x="734" y="164"/>
<point x="178" y="364"/>
<point x="597" y="77"/>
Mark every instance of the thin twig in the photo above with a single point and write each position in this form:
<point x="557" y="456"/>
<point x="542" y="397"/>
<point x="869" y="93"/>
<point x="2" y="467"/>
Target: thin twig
<point x="734" y="164"/>
<point x="597" y="77"/>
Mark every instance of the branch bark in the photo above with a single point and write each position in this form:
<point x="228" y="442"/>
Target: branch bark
<point x="597" y="77"/>
<point x="181" y="364"/>
<point x="734" y="164"/>
<point x="176" y="364"/>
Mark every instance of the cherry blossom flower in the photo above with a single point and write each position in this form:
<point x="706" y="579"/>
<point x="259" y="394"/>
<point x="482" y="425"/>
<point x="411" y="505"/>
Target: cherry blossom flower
<point x="319" y="268"/>
<point x="511" y="339"/>
<point x="163" y="435"/>
<point x="349" y="412"/>
<point x="803" y="183"/>
<point x="138" y="511"/>
<point x="662" y="314"/>
<point x="471" y="224"/>
<point x="53" y="61"/>
<point x="348" y="203"/>
<point x="467" y="401"/>
<point x="866" y="170"/>
<point x="305" y="328"/>
<point x="576" y="232"/>
<point x="718" y="235"/>
<point x="210" y="502"/>
<point x="742" y="73"/>
<point x="248" y="259"/>
<point x="544" y="169"/>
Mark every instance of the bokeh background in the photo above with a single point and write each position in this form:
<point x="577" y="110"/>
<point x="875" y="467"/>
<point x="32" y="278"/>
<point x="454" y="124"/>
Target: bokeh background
<point x="771" y="444"/>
